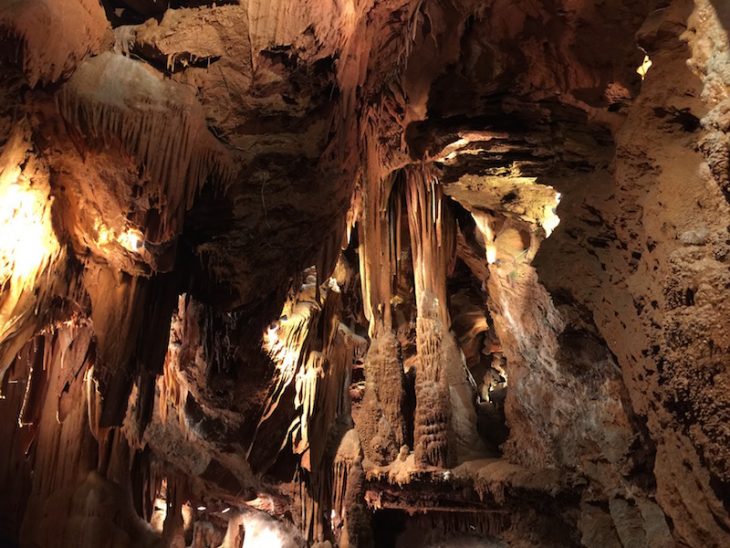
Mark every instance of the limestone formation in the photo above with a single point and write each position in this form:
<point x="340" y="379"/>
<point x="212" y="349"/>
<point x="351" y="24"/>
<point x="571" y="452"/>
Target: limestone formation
<point x="364" y="273"/>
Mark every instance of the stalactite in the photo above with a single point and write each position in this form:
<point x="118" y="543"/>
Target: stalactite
<point x="375" y="254"/>
<point x="115" y="99"/>
<point x="350" y="516"/>
<point x="445" y="418"/>
<point x="286" y="344"/>
<point x="235" y="533"/>
<point x="122" y="309"/>
<point x="433" y="239"/>
<point x="381" y="426"/>
<point x="231" y="175"/>
<point x="15" y="467"/>
<point x="78" y="490"/>
<point x="313" y="353"/>
<point x="431" y="258"/>
<point x="323" y="419"/>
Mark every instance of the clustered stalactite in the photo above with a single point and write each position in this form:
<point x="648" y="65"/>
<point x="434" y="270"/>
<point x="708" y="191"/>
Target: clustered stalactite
<point x="320" y="272"/>
<point x="383" y="422"/>
<point x="433" y="246"/>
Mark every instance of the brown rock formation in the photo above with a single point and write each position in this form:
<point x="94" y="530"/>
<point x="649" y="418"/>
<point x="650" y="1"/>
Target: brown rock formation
<point x="365" y="273"/>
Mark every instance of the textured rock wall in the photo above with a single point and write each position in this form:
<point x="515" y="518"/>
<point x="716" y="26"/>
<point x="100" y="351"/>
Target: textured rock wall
<point x="645" y="245"/>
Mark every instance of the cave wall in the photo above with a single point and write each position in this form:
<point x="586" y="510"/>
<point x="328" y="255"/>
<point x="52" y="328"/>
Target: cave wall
<point x="659" y="209"/>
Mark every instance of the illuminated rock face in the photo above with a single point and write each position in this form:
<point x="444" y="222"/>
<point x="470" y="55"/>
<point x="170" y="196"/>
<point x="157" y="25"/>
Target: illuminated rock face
<point x="382" y="273"/>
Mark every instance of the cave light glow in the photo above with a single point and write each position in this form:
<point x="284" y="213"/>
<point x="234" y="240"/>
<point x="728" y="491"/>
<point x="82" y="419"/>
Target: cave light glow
<point x="159" y="514"/>
<point x="263" y="532"/>
<point x="27" y="232"/>
<point x="130" y="239"/>
<point x="550" y="219"/>
<point x="644" y="67"/>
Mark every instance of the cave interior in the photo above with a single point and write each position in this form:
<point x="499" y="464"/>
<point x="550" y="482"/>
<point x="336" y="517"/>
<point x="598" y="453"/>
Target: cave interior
<point x="365" y="273"/>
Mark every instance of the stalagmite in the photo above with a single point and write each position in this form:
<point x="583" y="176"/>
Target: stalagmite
<point x="433" y="407"/>
<point x="383" y="400"/>
<point x="382" y="422"/>
<point x="445" y="428"/>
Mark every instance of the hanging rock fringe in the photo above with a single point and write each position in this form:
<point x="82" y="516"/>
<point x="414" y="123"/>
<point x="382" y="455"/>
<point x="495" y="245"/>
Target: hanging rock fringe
<point x="115" y="99"/>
